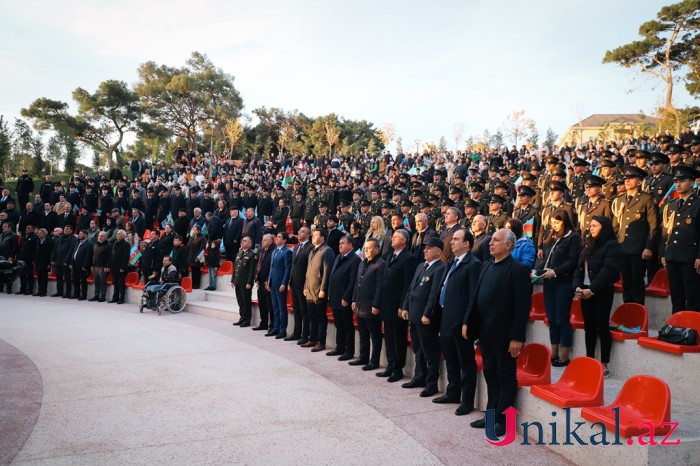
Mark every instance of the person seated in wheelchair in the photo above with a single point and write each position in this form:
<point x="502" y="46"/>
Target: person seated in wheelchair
<point x="168" y="276"/>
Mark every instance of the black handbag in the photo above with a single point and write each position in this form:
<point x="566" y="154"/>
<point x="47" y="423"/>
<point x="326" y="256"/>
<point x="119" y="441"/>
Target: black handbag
<point x="678" y="335"/>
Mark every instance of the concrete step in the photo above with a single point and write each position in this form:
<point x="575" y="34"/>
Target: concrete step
<point x="225" y="297"/>
<point x="216" y="310"/>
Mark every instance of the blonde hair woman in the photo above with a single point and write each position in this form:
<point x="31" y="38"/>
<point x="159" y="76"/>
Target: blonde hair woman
<point x="376" y="230"/>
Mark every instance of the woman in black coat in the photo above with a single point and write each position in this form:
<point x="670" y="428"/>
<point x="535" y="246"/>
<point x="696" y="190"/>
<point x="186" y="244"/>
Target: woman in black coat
<point x="279" y="217"/>
<point x="598" y="269"/>
<point x="562" y="249"/>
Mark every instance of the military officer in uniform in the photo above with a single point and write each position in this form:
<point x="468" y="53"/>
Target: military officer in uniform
<point x="641" y="159"/>
<point x="478" y="197"/>
<point x="242" y="280"/>
<point x="470" y="211"/>
<point x="345" y="217"/>
<point x="445" y="204"/>
<point x="530" y="180"/>
<point x="607" y="172"/>
<point x="321" y="219"/>
<point x="456" y="194"/>
<point x="681" y="237"/>
<point x="591" y="204"/>
<point x="674" y="156"/>
<point x="635" y="223"/>
<point x="365" y="216"/>
<point x="525" y="212"/>
<point x="577" y="178"/>
<point x="497" y="215"/>
<point x="356" y="201"/>
<point x="657" y="184"/>
<point x="501" y="190"/>
<point x="296" y="211"/>
<point x="551" y="163"/>
<point x="310" y="206"/>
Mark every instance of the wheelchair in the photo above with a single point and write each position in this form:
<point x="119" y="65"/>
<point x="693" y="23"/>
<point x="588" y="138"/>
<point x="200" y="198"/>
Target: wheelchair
<point x="169" y="297"/>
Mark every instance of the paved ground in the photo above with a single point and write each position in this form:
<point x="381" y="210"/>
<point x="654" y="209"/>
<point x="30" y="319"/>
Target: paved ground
<point x="121" y="387"/>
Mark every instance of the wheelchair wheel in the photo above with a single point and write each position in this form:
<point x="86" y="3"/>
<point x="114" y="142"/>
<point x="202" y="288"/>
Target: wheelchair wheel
<point x="143" y="303"/>
<point x="161" y="304"/>
<point x="175" y="299"/>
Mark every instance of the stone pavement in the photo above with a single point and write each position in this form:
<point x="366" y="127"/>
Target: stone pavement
<point x="121" y="387"/>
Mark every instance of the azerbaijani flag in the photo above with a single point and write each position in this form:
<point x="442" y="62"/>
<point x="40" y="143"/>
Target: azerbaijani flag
<point x="200" y="257"/>
<point x="671" y="194"/>
<point x="406" y="224"/>
<point x="135" y="255"/>
<point x="168" y="220"/>
<point x="360" y="254"/>
<point x="287" y="179"/>
<point x="204" y="229"/>
<point x="518" y="181"/>
<point x="529" y="228"/>
<point x="222" y="248"/>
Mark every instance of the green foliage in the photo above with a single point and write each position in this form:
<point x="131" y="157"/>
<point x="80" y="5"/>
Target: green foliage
<point x="399" y="146"/>
<point x="185" y="100"/>
<point x="5" y="143"/>
<point x="38" y="164"/>
<point x="442" y="145"/>
<point x="550" y="138"/>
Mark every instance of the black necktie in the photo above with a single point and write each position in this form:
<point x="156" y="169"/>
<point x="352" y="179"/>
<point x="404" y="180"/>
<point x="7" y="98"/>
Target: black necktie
<point x="629" y="199"/>
<point x="422" y="273"/>
<point x="680" y="203"/>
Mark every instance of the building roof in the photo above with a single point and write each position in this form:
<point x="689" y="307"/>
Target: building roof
<point x="600" y="119"/>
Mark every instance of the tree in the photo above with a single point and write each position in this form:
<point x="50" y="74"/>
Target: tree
<point x="399" y="145"/>
<point x="442" y="145"/>
<point x="517" y="125"/>
<point x="288" y="136"/>
<point x="21" y="146"/>
<point x="668" y="45"/>
<point x="5" y="144"/>
<point x="185" y="99"/>
<point x="54" y="153"/>
<point x="386" y="134"/>
<point x="233" y="132"/>
<point x="38" y="163"/>
<point x="96" y="159"/>
<point x="550" y="138"/>
<point x="103" y="118"/>
<point x="497" y="139"/>
<point x="533" y="135"/>
<point x="458" y="134"/>
<point x="332" y="133"/>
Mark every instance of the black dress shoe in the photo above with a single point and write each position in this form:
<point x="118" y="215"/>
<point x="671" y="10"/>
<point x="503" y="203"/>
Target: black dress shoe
<point x="428" y="392"/>
<point x="463" y="410"/>
<point x="334" y="352"/>
<point x="82" y="299"/>
<point x="112" y="301"/>
<point x="281" y="336"/>
<point x="121" y="301"/>
<point x="35" y="294"/>
<point x="291" y="337"/>
<point x="56" y="295"/>
<point x="370" y="367"/>
<point x="42" y="295"/>
<point x="357" y="362"/>
<point x="272" y="333"/>
<point x="20" y="292"/>
<point x="445" y="399"/>
<point x="479" y="423"/>
<point x="395" y="377"/>
<point x="259" y="328"/>
<point x="240" y="321"/>
<point x="499" y="429"/>
<point x="302" y="341"/>
<point x="559" y="363"/>
<point x="384" y="373"/>
<point x="66" y="296"/>
<point x="345" y="357"/>
<point x="94" y="298"/>
<point x="101" y="300"/>
<point x="245" y="324"/>
<point x="413" y="384"/>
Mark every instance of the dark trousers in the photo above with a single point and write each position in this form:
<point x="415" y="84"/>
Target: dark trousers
<point x="684" y="282"/>
<point x="119" y="286"/>
<point x="370" y="329"/>
<point x="596" y="322"/>
<point x="296" y="224"/>
<point x="633" y="270"/>
<point x="420" y="366"/>
<point x="461" y="367"/>
<point x="244" y="299"/>
<point x="265" y="307"/>
<point x="99" y="277"/>
<point x="80" y="284"/>
<point x="501" y="380"/>
<point x="63" y="280"/>
<point x="279" y="307"/>
<point x="429" y="349"/>
<point x="196" y="276"/>
<point x="318" y="321"/>
<point x="301" y="314"/>
<point x="42" y="278"/>
<point x="654" y="264"/>
<point x="344" y="330"/>
<point x="557" y="304"/>
<point x="232" y="251"/>
<point x="26" y="280"/>
<point x="396" y="336"/>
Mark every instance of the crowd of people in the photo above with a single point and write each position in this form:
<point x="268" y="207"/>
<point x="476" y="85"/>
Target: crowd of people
<point x="445" y="247"/>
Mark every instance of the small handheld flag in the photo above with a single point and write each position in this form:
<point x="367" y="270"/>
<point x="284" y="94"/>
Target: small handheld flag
<point x="135" y="255"/>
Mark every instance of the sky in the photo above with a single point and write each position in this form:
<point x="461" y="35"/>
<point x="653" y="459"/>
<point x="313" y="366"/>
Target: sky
<point x="423" y="67"/>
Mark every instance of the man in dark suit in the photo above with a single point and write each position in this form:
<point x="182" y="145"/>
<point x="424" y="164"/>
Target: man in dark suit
<point x="215" y="227"/>
<point x="44" y="248"/>
<point x="497" y="314"/>
<point x="138" y="222"/>
<point x="233" y="229"/>
<point x="316" y="284"/>
<point x="342" y="284"/>
<point x="67" y="218"/>
<point x="419" y="308"/>
<point x="242" y="280"/>
<point x="252" y="226"/>
<point x="334" y="234"/>
<point x="370" y="274"/>
<point x="262" y="272"/>
<point x="398" y="271"/>
<point x="452" y="216"/>
<point x="481" y="239"/>
<point x="277" y="283"/>
<point x="49" y="218"/>
<point x="81" y="263"/>
<point x="118" y="265"/>
<point x="421" y="236"/>
<point x="456" y="290"/>
<point x="27" y="253"/>
<point x="300" y="262"/>
<point x="62" y="254"/>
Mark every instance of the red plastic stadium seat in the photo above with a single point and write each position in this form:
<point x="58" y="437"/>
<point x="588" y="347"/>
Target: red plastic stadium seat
<point x="147" y="234"/>
<point x="52" y="275"/>
<point x="643" y="399"/>
<point x="204" y="269"/>
<point x="132" y="278"/>
<point x="659" y="285"/>
<point x="331" y="319"/>
<point x="90" y="278"/>
<point x="686" y="319"/>
<point x="537" y="308"/>
<point x="226" y="268"/>
<point x="534" y="365"/>
<point x="618" y="285"/>
<point x="576" y="314"/>
<point x="479" y="360"/>
<point x="109" y="279"/>
<point x="290" y="307"/>
<point x="630" y="315"/>
<point x="187" y="284"/>
<point x="581" y="384"/>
